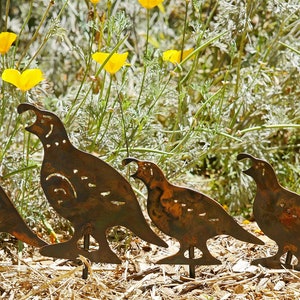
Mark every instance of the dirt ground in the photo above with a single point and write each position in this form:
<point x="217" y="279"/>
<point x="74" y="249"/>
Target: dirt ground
<point x="32" y="276"/>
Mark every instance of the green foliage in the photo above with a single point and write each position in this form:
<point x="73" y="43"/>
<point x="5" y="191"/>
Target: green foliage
<point x="237" y="92"/>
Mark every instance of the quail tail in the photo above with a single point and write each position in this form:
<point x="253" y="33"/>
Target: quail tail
<point x="142" y="230"/>
<point x="241" y="234"/>
<point x="12" y="223"/>
<point x="23" y="233"/>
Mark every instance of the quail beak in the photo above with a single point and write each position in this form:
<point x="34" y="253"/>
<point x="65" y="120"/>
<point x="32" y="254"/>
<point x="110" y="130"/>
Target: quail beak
<point x="243" y="156"/>
<point x="127" y="161"/>
<point x="26" y="107"/>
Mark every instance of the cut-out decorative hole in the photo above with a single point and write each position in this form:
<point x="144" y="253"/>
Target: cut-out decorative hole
<point x="104" y="194"/>
<point x="118" y="203"/>
<point x="60" y="190"/>
<point x="214" y="220"/>
<point x="294" y="260"/>
<point x="48" y="145"/>
<point x="175" y="201"/>
<point x="183" y="204"/>
<point x="93" y="245"/>
<point x="50" y="131"/>
<point x="202" y="215"/>
<point x="197" y="253"/>
<point x="189" y="209"/>
<point x="56" y="143"/>
<point x="75" y="171"/>
<point x="62" y="177"/>
<point x="84" y="177"/>
<point x="91" y="185"/>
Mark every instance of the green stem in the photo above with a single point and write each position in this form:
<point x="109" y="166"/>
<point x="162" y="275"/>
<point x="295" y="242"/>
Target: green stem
<point x="124" y="125"/>
<point x="45" y="40"/>
<point x="145" y="64"/>
<point x="145" y="150"/>
<point x="181" y="96"/>
<point x="201" y="47"/>
<point x="100" y="120"/>
<point x="6" y="14"/>
<point x="70" y="115"/>
<point x="51" y="3"/>
<point x="88" y="62"/>
<point x="275" y="126"/>
<point x="22" y="29"/>
<point x="184" y="29"/>
<point x="290" y="47"/>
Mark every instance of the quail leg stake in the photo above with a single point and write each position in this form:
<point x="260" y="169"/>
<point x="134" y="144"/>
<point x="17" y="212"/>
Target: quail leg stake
<point x="192" y="256"/>
<point x="86" y="246"/>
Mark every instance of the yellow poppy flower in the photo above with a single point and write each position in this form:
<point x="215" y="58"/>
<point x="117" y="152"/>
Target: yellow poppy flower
<point x="150" y="3"/>
<point x="94" y="1"/>
<point x="115" y="62"/>
<point x="174" y="56"/>
<point x="23" y="81"/>
<point x="6" y="40"/>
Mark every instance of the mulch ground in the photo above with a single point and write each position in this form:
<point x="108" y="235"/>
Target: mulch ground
<point x="32" y="276"/>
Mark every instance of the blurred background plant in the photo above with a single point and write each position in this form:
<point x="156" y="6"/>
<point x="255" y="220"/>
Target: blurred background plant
<point x="233" y="88"/>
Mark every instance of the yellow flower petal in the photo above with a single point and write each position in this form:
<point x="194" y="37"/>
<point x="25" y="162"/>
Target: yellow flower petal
<point x="6" y="40"/>
<point x="150" y="3"/>
<point x="94" y="1"/>
<point x="115" y="62"/>
<point x="23" y="81"/>
<point x="174" y="56"/>
<point x="30" y="78"/>
<point x="171" y="56"/>
<point x="12" y="76"/>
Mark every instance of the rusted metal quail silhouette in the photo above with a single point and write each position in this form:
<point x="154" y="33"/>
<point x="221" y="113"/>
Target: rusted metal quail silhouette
<point x="88" y="192"/>
<point x="186" y="215"/>
<point x="276" y="211"/>
<point x="12" y="223"/>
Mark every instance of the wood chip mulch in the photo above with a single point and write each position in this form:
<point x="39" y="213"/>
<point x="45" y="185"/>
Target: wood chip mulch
<point x="32" y="276"/>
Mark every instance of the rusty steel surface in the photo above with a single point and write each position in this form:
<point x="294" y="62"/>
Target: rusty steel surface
<point x="85" y="190"/>
<point x="277" y="213"/>
<point x="186" y="215"/>
<point x="12" y="223"/>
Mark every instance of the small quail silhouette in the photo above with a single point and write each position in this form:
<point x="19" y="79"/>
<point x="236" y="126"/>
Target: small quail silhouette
<point x="12" y="223"/>
<point x="186" y="215"/>
<point x="276" y="211"/>
<point x="85" y="190"/>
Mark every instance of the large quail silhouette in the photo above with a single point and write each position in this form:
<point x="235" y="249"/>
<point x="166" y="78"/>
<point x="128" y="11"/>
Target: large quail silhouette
<point x="276" y="211"/>
<point x="186" y="215"/>
<point x="12" y="223"/>
<point x="87" y="191"/>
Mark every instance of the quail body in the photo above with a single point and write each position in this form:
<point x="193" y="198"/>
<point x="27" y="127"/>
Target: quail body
<point x="276" y="211"/>
<point x="185" y="214"/>
<point x="85" y="190"/>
